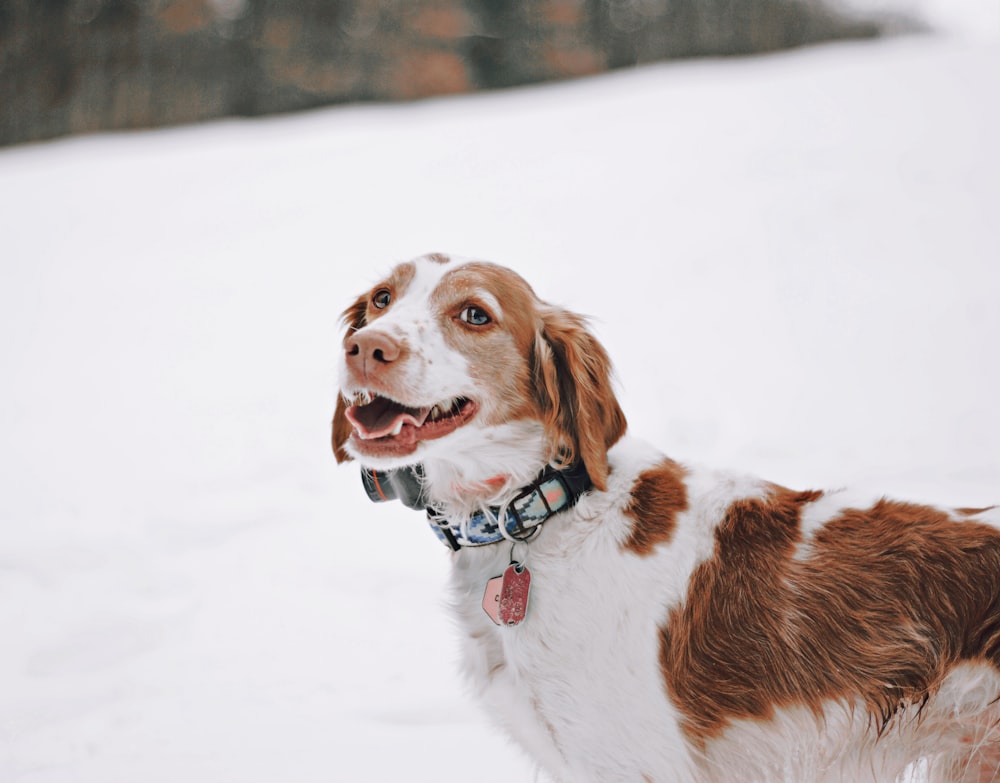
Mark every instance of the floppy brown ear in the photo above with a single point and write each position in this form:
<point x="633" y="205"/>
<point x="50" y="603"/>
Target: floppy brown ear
<point x="572" y="382"/>
<point x="341" y="431"/>
<point x="354" y="317"/>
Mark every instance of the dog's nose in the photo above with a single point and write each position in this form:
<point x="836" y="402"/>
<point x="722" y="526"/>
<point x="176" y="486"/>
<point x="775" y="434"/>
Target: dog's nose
<point x="369" y="351"/>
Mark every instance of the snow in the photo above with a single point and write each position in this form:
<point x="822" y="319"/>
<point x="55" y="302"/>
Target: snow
<point x="977" y="20"/>
<point x="792" y="259"/>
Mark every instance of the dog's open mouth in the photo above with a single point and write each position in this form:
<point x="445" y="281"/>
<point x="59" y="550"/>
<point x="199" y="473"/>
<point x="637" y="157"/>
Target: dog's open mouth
<point x="387" y="428"/>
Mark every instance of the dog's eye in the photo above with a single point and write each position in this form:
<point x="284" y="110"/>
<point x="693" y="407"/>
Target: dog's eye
<point x="382" y="298"/>
<point x="475" y="316"/>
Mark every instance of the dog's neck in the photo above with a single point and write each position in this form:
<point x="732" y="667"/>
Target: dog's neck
<point x="519" y="519"/>
<point x="484" y="467"/>
<point x="496" y="483"/>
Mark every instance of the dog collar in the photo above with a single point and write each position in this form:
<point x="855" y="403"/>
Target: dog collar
<point x="521" y="519"/>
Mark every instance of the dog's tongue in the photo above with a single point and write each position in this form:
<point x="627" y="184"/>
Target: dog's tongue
<point x="381" y="417"/>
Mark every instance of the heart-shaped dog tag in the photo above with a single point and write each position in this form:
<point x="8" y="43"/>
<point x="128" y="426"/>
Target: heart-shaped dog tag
<point x="514" y="594"/>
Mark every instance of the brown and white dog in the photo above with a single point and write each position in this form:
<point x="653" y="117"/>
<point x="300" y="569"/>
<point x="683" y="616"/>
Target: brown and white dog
<point x="683" y="624"/>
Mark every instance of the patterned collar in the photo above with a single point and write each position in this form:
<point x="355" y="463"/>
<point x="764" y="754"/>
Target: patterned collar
<point x="522" y="518"/>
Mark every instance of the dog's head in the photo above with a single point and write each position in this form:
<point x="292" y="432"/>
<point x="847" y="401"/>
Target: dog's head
<point x="459" y="366"/>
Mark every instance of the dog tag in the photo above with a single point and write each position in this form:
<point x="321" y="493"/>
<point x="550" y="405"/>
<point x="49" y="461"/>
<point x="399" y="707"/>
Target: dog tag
<point x="491" y="598"/>
<point x="514" y="594"/>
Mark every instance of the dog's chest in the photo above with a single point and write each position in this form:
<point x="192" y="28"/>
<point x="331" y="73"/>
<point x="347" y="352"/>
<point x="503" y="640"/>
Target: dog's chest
<point x="578" y="682"/>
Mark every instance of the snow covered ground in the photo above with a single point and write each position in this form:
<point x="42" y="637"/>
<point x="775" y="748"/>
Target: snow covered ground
<point x="794" y="261"/>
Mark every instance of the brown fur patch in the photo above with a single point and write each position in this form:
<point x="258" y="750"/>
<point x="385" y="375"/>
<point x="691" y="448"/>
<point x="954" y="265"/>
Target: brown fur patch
<point x="518" y="303"/>
<point x="496" y="352"/>
<point x="553" y="368"/>
<point x="341" y="431"/>
<point x="972" y="512"/>
<point x="657" y="497"/>
<point x="889" y="599"/>
<point x="397" y="283"/>
<point x="571" y="375"/>
<point x="438" y="258"/>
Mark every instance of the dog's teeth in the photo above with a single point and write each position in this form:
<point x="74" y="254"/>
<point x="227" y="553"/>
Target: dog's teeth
<point x="444" y="408"/>
<point x="398" y="428"/>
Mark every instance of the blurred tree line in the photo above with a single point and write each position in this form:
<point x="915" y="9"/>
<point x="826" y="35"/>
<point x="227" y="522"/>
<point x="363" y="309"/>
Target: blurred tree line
<point x="70" y="66"/>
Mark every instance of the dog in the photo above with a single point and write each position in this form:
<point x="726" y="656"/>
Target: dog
<point x="627" y="617"/>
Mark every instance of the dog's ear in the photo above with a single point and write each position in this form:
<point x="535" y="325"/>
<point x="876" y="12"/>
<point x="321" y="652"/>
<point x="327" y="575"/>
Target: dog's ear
<point x="341" y="431"/>
<point x="572" y="381"/>
<point x="354" y="318"/>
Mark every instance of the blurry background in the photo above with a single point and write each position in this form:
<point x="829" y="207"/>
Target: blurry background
<point x="68" y="66"/>
<point x="791" y="257"/>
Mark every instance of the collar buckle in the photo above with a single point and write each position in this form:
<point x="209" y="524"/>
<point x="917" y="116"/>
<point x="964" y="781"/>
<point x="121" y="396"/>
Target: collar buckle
<point x="521" y="520"/>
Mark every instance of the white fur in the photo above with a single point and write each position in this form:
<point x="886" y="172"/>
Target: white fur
<point x="842" y="745"/>
<point x="433" y="371"/>
<point x="579" y="684"/>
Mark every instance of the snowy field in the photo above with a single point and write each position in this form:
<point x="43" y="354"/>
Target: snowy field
<point x="794" y="261"/>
